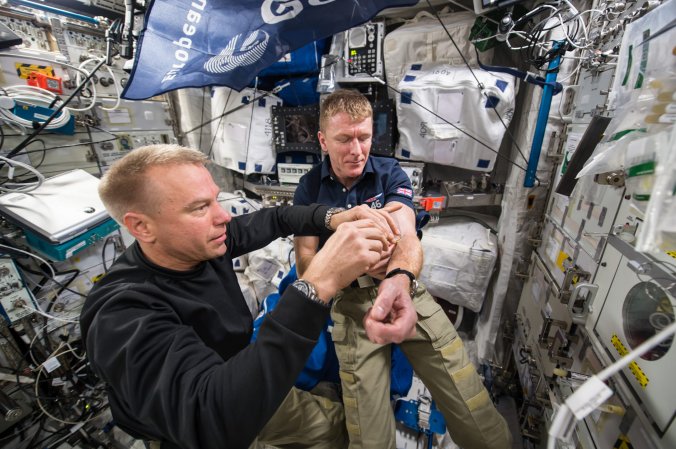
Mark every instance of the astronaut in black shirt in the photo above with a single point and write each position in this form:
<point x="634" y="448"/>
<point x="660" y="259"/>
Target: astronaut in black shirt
<point x="168" y="329"/>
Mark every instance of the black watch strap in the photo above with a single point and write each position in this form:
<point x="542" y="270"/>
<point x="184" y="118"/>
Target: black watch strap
<point x="397" y="271"/>
<point x="411" y="276"/>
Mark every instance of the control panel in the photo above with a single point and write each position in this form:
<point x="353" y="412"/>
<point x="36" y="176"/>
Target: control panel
<point x="414" y="171"/>
<point x="363" y="51"/>
<point x="16" y="301"/>
<point x="291" y="173"/>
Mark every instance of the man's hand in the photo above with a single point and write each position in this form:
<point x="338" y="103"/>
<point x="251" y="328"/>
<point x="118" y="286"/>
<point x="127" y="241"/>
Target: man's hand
<point x="381" y="218"/>
<point x="393" y="317"/>
<point x="379" y="270"/>
<point x="349" y="252"/>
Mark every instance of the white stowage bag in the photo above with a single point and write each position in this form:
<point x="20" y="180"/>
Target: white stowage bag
<point x="441" y="106"/>
<point x="423" y="40"/>
<point x="268" y="266"/>
<point x="459" y="256"/>
<point x="243" y="139"/>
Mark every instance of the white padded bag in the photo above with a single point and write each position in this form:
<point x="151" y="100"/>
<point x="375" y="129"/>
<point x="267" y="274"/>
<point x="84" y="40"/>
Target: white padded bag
<point x="438" y="102"/>
<point x="423" y="40"/>
<point x="459" y="256"/>
<point x="243" y="139"/>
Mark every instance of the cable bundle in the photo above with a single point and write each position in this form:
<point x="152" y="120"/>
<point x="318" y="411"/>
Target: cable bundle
<point x="31" y="95"/>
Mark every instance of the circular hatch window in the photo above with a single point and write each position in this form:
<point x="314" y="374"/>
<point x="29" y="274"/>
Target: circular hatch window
<point x="647" y="310"/>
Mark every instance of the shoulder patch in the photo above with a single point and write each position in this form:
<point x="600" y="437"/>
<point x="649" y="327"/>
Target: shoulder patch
<point x="405" y="192"/>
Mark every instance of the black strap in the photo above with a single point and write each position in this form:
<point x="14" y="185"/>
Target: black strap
<point x="397" y="271"/>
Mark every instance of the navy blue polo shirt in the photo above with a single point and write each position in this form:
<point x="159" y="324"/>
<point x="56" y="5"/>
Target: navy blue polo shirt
<point x="382" y="181"/>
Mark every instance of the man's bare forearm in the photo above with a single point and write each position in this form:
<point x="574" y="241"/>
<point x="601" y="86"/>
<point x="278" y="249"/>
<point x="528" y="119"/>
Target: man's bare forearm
<point x="407" y="255"/>
<point x="302" y="263"/>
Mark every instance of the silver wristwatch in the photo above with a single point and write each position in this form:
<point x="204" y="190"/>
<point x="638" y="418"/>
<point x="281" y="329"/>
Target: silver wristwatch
<point x="330" y="213"/>
<point x="309" y="291"/>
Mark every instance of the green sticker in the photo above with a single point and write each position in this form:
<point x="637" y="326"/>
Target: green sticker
<point x="646" y="168"/>
<point x="628" y="69"/>
<point x="644" y="60"/>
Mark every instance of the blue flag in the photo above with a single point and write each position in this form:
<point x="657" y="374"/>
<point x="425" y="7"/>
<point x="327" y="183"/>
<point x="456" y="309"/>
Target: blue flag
<point x="192" y="43"/>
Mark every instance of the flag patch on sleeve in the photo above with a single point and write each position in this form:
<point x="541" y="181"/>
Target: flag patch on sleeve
<point x="404" y="191"/>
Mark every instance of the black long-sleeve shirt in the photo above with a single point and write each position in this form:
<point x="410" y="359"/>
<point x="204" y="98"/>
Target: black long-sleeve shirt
<point x="173" y="347"/>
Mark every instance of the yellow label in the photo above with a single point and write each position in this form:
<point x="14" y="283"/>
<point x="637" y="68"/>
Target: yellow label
<point x="623" y="442"/>
<point x="561" y="259"/>
<point x="23" y="70"/>
<point x="633" y="366"/>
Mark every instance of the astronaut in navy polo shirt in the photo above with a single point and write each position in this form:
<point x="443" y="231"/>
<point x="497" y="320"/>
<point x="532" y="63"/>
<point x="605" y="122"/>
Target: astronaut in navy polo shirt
<point x="349" y="177"/>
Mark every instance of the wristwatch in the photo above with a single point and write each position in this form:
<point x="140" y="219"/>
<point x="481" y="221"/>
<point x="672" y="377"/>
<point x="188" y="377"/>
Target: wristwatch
<point x="411" y="276"/>
<point x="309" y="291"/>
<point x="330" y="213"/>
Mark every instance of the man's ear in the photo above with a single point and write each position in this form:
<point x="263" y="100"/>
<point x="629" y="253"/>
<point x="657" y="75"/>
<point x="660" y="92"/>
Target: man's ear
<point x="140" y="226"/>
<point x="322" y="141"/>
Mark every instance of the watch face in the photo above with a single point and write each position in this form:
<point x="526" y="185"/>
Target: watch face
<point x="303" y="287"/>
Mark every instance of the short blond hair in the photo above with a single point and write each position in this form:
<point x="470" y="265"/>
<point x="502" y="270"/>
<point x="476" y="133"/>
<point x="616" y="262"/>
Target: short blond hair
<point x="349" y="101"/>
<point x="125" y="187"/>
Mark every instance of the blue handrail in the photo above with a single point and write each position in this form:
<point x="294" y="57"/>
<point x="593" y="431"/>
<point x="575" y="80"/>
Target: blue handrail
<point x="543" y="114"/>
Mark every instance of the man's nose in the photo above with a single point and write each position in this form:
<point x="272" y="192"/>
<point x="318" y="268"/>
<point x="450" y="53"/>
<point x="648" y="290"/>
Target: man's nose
<point x="221" y="216"/>
<point x="355" y="146"/>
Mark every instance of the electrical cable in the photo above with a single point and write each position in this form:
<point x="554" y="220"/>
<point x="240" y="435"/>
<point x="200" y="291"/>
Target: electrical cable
<point x="35" y="166"/>
<point x="237" y="108"/>
<point x="112" y="139"/>
<point x="94" y="91"/>
<point x="38" y="444"/>
<point x="481" y="86"/>
<point x="443" y="25"/>
<point x="70" y="319"/>
<point x="20" y="187"/>
<point x="22" y="95"/>
<point x="35" y="256"/>
<point x="475" y="219"/>
<point x="199" y="144"/>
<point x="94" y="153"/>
<point x="57" y="111"/>
<point x="110" y="238"/>
<point x="461" y="130"/>
<point x="53" y="273"/>
<point x="220" y="119"/>
<point x="52" y="279"/>
<point x="248" y="137"/>
<point x="44" y="410"/>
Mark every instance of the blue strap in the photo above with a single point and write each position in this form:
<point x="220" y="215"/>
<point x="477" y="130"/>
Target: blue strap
<point x="525" y="76"/>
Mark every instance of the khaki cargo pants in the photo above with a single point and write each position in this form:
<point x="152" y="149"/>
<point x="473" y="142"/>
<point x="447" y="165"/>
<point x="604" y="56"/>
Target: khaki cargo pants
<point x="306" y="421"/>
<point x="438" y="357"/>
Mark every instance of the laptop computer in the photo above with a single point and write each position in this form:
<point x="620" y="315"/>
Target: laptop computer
<point x="62" y="208"/>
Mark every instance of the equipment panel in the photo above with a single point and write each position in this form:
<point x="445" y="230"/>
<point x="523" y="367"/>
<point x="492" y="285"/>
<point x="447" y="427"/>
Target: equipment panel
<point x="639" y="303"/>
<point x="16" y="301"/>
